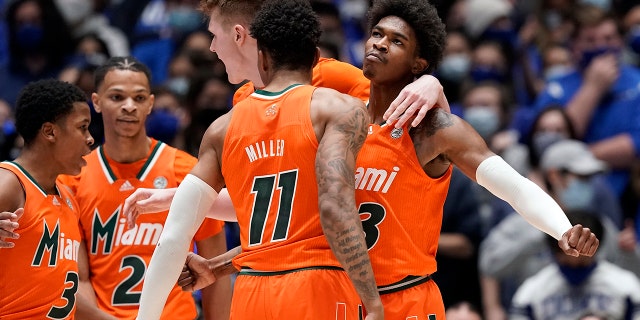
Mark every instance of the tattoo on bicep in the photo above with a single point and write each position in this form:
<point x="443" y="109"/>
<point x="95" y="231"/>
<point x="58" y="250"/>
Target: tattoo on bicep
<point x="435" y="120"/>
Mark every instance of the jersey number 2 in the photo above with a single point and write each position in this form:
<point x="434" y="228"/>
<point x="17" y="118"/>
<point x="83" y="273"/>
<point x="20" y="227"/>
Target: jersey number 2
<point x="263" y="189"/>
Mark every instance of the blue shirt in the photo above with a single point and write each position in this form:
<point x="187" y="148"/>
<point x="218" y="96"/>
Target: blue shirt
<point x="617" y="113"/>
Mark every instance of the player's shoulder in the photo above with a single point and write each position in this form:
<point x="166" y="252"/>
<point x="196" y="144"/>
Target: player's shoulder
<point x="329" y="96"/>
<point x="11" y="192"/>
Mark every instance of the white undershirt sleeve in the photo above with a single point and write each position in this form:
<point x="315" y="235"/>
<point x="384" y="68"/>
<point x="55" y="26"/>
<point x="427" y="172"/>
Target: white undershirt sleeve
<point x="529" y="200"/>
<point x="190" y="204"/>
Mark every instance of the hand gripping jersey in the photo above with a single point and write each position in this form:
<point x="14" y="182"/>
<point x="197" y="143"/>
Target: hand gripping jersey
<point x="118" y="256"/>
<point x="328" y="73"/>
<point x="400" y="207"/>
<point x="268" y="163"/>
<point x="39" y="277"/>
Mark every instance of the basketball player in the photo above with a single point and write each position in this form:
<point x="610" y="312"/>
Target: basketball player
<point x="115" y="257"/>
<point x="287" y="156"/>
<point x="402" y="175"/>
<point x="39" y="277"/>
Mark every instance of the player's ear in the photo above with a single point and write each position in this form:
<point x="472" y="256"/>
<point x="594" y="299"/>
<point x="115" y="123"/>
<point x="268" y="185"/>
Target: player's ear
<point x="48" y="131"/>
<point x="241" y="34"/>
<point x="419" y="65"/>
<point x="152" y="101"/>
<point x="95" y="98"/>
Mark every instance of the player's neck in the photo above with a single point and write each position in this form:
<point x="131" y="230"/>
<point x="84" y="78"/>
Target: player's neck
<point x="380" y="98"/>
<point x="285" y="78"/>
<point x="127" y="149"/>
<point x="44" y="175"/>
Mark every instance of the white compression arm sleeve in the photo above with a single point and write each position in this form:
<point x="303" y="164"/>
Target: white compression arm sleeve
<point x="529" y="200"/>
<point x="188" y="208"/>
<point x="222" y="208"/>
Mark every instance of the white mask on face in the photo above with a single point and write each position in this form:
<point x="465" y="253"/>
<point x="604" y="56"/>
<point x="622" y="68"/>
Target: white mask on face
<point x="482" y="119"/>
<point x="74" y="11"/>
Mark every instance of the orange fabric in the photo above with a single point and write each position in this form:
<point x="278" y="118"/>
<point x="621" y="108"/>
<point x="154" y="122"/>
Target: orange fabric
<point x="270" y="160"/>
<point x="311" y="295"/>
<point x="35" y="281"/>
<point x="118" y="257"/>
<point x="422" y="302"/>
<point x="328" y="73"/>
<point x="400" y="206"/>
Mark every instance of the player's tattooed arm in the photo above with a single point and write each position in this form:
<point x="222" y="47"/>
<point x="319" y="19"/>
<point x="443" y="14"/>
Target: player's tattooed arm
<point x="344" y="134"/>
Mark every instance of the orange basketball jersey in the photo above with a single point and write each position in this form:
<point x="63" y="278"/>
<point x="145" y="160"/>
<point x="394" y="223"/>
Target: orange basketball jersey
<point x="39" y="277"/>
<point x="400" y="206"/>
<point x="268" y="163"/>
<point x="328" y="73"/>
<point x="118" y="256"/>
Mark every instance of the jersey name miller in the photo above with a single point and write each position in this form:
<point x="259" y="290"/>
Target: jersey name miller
<point x="113" y="232"/>
<point x="58" y="247"/>
<point x="372" y="179"/>
<point x="265" y="149"/>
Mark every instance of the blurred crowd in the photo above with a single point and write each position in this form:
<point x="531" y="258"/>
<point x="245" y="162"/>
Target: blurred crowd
<point x="553" y="86"/>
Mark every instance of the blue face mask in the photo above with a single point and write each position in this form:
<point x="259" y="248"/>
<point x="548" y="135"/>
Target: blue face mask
<point x="29" y="37"/>
<point x="633" y="39"/>
<point x="486" y="73"/>
<point x="162" y="125"/>
<point x="578" y="195"/>
<point x="589" y="55"/>
<point x="576" y="275"/>
<point x="503" y="36"/>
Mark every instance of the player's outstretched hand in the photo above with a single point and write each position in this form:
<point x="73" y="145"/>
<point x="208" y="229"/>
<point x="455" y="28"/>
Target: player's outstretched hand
<point x="196" y="273"/>
<point x="145" y="200"/>
<point x="579" y="241"/>
<point x="9" y="223"/>
<point x="419" y="96"/>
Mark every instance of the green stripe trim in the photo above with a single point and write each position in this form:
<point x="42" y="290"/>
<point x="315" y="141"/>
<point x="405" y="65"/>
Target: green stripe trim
<point x="26" y="174"/>
<point x="150" y="161"/>
<point x="270" y="94"/>
<point x="108" y="172"/>
<point x="406" y="283"/>
<point x="251" y="272"/>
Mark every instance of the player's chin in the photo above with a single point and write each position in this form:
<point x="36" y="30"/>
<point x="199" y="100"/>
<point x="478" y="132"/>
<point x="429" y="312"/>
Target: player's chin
<point x="77" y="168"/>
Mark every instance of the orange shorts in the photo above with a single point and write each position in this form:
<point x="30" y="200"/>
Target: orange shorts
<point x="310" y="293"/>
<point x="420" y="302"/>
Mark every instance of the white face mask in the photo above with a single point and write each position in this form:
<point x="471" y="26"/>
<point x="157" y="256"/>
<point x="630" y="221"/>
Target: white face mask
<point x="454" y="67"/>
<point x="557" y="71"/>
<point x="602" y="4"/>
<point x="482" y="119"/>
<point x="74" y="11"/>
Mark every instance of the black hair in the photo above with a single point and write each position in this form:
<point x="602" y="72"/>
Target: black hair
<point x="120" y="63"/>
<point x="423" y="19"/>
<point x="44" y="101"/>
<point x="587" y="218"/>
<point x="289" y="31"/>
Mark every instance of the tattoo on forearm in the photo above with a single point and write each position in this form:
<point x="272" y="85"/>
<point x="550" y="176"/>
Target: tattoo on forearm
<point x="335" y="163"/>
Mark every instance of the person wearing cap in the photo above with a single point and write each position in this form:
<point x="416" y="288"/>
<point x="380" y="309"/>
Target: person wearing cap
<point x="570" y="287"/>
<point x="513" y="251"/>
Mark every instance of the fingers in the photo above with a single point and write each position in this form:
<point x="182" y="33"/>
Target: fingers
<point x="397" y="108"/>
<point x="186" y="281"/>
<point x="5" y="244"/>
<point x="579" y="241"/>
<point x="19" y="213"/>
